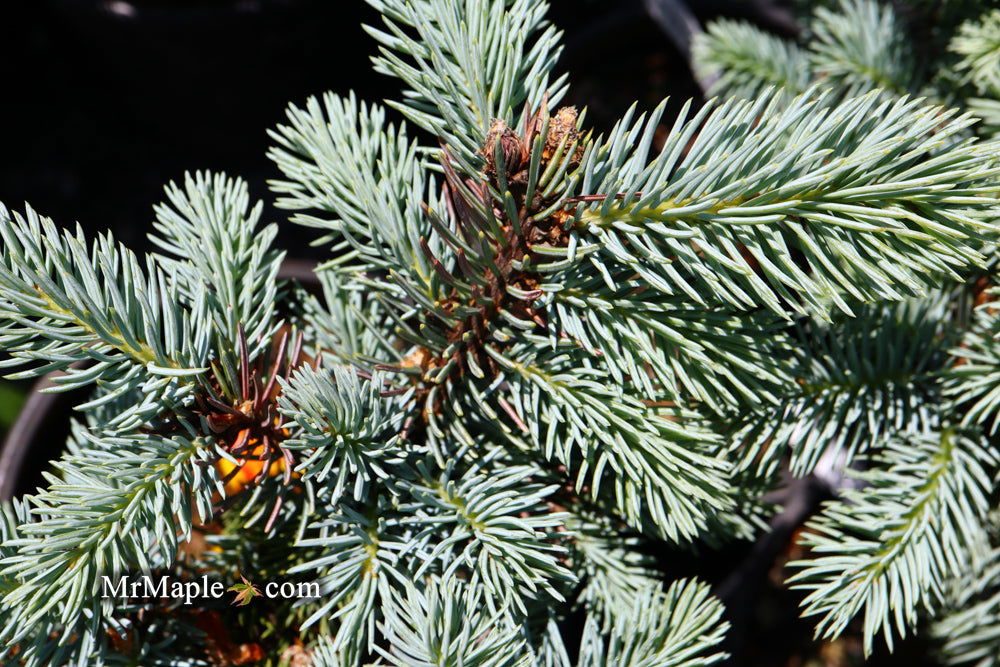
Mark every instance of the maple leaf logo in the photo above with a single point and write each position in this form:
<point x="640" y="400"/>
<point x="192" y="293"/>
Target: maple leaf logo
<point x="245" y="592"/>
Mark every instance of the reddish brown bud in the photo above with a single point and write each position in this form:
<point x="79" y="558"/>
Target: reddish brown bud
<point x="511" y="147"/>
<point x="562" y="127"/>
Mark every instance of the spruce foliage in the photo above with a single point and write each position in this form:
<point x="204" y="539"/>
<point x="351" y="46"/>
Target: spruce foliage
<point x="538" y="356"/>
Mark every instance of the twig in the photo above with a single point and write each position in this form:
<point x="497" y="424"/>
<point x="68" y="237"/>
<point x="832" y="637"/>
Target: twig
<point x="739" y="591"/>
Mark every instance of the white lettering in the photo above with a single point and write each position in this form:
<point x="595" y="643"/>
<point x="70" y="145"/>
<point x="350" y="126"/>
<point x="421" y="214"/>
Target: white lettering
<point x="157" y="591"/>
<point x="113" y="593"/>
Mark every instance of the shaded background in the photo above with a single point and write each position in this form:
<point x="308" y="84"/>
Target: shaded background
<point x="102" y="103"/>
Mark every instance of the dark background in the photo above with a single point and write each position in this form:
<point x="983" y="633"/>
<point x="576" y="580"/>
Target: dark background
<point x="104" y="102"/>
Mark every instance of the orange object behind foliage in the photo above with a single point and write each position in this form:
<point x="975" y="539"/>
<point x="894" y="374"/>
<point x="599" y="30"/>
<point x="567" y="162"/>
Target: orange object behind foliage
<point x="247" y="472"/>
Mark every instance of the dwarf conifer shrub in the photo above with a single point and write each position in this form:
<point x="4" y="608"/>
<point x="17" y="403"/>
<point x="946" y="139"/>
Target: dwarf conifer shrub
<point x="539" y="356"/>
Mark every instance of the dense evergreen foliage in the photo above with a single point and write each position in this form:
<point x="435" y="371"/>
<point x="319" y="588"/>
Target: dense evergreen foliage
<point x="538" y="356"/>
